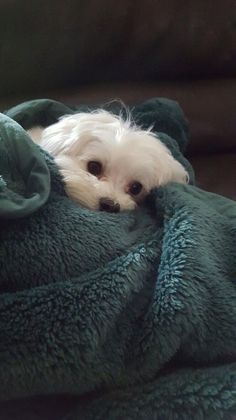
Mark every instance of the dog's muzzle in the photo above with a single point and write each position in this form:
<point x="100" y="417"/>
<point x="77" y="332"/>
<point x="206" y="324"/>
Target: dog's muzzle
<point x="106" y="204"/>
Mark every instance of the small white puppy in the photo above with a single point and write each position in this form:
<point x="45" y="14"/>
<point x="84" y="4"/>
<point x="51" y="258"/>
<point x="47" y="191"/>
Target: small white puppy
<point x="106" y="162"/>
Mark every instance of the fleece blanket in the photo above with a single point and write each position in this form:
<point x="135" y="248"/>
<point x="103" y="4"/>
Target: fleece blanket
<point x="112" y="316"/>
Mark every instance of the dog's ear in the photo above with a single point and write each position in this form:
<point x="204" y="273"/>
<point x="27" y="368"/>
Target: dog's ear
<point x="177" y="172"/>
<point x="57" y="138"/>
<point x="168" y="169"/>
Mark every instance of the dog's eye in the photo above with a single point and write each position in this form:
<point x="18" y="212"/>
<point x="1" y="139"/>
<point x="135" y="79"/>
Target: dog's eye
<point x="94" y="167"/>
<point x="135" y="188"/>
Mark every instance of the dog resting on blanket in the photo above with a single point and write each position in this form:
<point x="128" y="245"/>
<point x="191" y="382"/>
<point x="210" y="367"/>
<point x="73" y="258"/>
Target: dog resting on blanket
<point x="107" y="163"/>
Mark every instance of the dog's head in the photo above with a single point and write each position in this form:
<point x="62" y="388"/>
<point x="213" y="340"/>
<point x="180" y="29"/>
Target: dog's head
<point x="108" y="163"/>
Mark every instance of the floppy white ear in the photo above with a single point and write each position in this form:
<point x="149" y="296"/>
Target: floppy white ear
<point x="58" y="137"/>
<point x="168" y="168"/>
<point x="177" y="172"/>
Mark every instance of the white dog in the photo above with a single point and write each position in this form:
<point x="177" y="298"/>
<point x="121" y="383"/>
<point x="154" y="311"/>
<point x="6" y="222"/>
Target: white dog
<point x="106" y="162"/>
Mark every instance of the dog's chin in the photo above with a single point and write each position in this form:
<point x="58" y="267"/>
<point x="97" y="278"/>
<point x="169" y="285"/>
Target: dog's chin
<point x="87" y="190"/>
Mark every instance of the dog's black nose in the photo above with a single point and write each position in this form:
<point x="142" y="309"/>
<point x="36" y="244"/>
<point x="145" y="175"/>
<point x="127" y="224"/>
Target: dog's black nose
<point x="106" y="204"/>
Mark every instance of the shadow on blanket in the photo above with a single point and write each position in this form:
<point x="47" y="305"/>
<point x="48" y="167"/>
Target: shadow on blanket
<point x="102" y="316"/>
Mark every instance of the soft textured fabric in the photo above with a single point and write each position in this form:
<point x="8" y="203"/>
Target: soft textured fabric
<point x="24" y="175"/>
<point x="126" y="316"/>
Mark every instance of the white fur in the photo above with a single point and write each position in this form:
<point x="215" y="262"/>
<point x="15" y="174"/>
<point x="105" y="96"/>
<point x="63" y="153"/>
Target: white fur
<point x="126" y="153"/>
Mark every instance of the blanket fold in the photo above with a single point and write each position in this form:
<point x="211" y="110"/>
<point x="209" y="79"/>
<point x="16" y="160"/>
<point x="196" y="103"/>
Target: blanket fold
<point x="103" y="316"/>
<point x="25" y="178"/>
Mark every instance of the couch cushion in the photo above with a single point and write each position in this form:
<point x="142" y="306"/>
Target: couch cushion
<point x="60" y="44"/>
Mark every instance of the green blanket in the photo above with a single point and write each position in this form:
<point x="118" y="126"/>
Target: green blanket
<point x="103" y="316"/>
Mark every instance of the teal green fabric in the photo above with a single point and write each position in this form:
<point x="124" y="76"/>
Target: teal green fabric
<point x="126" y="316"/>
<point x="24" y="175"/>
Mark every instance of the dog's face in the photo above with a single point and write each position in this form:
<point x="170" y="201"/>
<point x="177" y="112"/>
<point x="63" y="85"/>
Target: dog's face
<point x="108" y="164"/>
